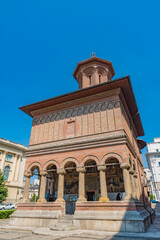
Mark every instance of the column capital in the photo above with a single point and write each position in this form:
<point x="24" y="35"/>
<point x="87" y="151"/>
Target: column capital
<point x="101" y="168"/>
<point x="28" y="174"/>
<point x="43" y="173"/>
<point x="135" y="175"/>
<point x="61" y="171"/>
<point x="81" y="169"/>
<point x="124" y="166"/>
<point x="131" y="171"/>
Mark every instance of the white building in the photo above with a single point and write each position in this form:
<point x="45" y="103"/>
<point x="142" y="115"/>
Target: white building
<point x="153" y="159"/>
<point x="149" y="180"/>
<point x="12" y="164"/>
<point x="33" y="189"/>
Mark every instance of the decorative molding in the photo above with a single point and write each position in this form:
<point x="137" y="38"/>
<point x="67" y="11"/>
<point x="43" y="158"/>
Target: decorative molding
<point x="81" y="143"/>
<point x="77" y="111"/>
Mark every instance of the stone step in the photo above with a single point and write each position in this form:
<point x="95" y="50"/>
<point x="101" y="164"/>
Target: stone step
<point x="66" y="221"/>
<point x="68" y="217"/>
<point x="62" y="227"/>
<point x="64" y="224"/>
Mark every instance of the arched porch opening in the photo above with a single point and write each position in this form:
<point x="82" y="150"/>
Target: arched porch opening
<point x="114" y="179"/>
<point x="35" y="181"/>
<point x="51" y="183"/>
<point x="92" y="184"/>
<point x="71" y="180"/>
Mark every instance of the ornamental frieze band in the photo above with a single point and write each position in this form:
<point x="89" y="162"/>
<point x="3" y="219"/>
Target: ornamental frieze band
<point x="78" y="111"/>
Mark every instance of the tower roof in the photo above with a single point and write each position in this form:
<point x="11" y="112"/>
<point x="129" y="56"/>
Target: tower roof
<point x="92" y="60"/>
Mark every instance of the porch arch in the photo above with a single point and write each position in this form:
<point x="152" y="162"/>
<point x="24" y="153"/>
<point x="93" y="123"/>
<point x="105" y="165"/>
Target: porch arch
<point x="68" y="160"/>
<point x="89" y="157"/>
<point x="49" y="163"/>
<point x="33" y="171"/>
<point x="111" y="156"/>
<point x="33" y="166"/>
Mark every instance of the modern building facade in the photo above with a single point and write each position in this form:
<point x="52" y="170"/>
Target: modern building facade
<point x="85" y="148"/>
<point x="149" y="180"/>
<point x="153" y="159"/>
<point x="12" y="164"/>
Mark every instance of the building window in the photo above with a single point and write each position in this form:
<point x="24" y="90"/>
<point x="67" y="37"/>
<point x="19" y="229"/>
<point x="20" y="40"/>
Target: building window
<point x="90" y="80"/>
<point x="9" y="157"/>
<point x="157" y="150"/>
<point x="159" y="163"/>
<point x="99" y="78"/>
<point x="6" y="172"/>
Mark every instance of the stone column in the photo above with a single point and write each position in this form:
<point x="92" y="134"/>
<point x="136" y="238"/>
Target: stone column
<point x="131" y="172"/>
<point x="81" y="197"/>
<point x="26" y="187"/>
<point x="61" y="173"/>
<point x="3" y="160"/>
<point x="103" y="186"/>
<point x="136" y="186"/>
<point x="43" y="175"/>
<point x="127" y="183"/>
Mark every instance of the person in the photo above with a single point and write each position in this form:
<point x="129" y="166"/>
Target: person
<point x="119" y="197"/>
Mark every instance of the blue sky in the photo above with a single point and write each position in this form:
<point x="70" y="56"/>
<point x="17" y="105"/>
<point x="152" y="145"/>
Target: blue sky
<point x="42" y="41"/>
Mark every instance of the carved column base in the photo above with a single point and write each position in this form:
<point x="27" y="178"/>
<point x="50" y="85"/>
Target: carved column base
<point x="24" y="200"/>
<point x="129" y="199"/>
<point x="59" y="200"/>
<point x="103" y="199"/>
<point x="41" y="200"/>
<point x="81" y="199"/>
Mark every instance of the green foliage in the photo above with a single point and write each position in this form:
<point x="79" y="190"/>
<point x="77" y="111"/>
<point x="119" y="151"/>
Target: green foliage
<point x="6" y="213"/>
<point x="3" y="189"/>
<point x="34" y="198"/>
<point x="151" y="196"/>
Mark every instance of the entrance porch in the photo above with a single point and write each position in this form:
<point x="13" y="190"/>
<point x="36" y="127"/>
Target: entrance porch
<point x="87" y="192"/>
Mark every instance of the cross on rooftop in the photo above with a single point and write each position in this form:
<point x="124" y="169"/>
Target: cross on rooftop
<point x="93" y="54"/>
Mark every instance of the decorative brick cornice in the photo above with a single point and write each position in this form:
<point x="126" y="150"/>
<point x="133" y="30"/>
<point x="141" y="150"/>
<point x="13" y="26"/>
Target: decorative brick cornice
<point x="80" y="143"/>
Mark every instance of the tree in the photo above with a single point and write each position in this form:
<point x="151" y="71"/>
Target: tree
<point x="3" y="189"/>
<point x="152" y="196"/>
<point x="34" y="198"/>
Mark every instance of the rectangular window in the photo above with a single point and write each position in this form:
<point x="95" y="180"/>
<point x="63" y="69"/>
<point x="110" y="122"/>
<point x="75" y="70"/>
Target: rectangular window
<point x="9" y="157"/>
<point x="157" y="150"/>
<point x="159" y="163"/>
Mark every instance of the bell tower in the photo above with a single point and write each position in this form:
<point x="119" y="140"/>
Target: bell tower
<point x="93" y="71"/>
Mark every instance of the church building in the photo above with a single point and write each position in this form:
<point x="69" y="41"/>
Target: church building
<point x="85" y="147"/>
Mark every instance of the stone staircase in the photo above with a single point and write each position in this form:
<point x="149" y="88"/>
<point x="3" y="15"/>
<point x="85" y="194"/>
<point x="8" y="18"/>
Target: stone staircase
<point x="64" y="224"/>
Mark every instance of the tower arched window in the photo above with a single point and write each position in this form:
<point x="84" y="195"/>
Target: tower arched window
<point x="90" y="80"/>
<point x="6" y="172"/>
<point x="100" y="78"/>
